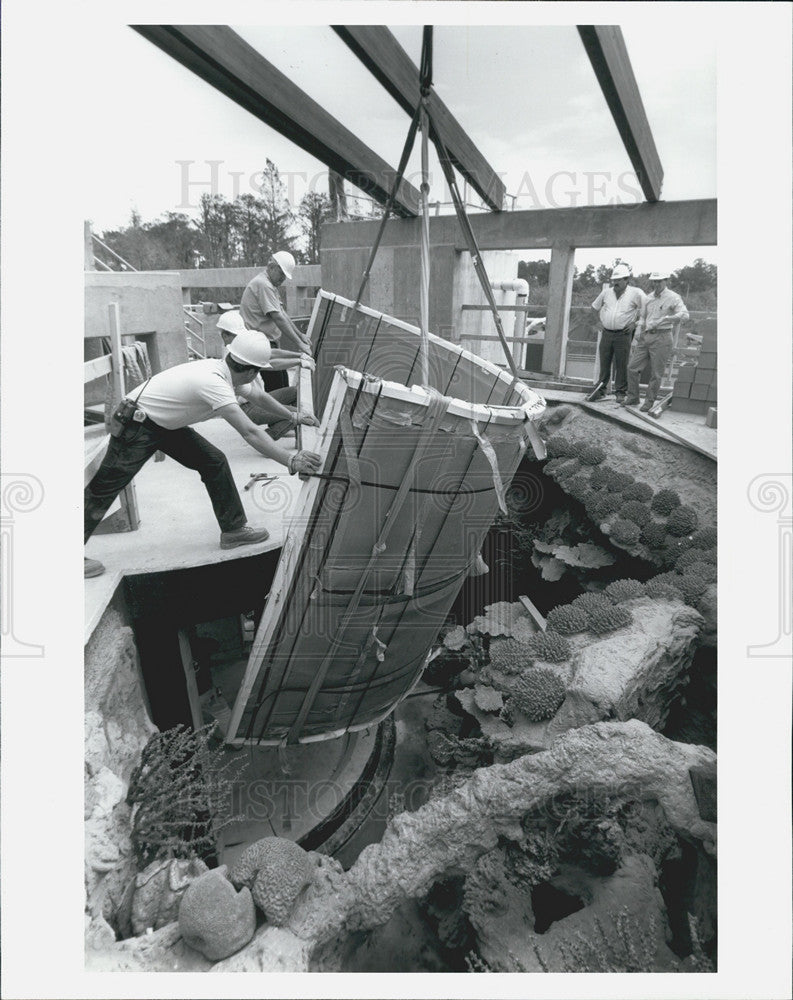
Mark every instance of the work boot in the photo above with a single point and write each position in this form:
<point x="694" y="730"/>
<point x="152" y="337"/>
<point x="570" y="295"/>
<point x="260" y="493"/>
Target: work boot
<point x="647" y="405"/>
<point x="630" y="401"/>
<point x="620" y="397"/>
<point x="92" y="567"/>
<point x="243" y="536"/>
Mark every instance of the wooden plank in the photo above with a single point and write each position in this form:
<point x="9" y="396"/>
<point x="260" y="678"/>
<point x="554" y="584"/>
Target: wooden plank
<point x="384" y="57"/>
<point x="679" y="438"/>
<point x="97" y="367"/>
<point x="606" y="49"/>
<point x="227" y="62"/>
<point x="193" y="698"/>
<point x="557" y="318"/>
<point x="659" y="224"/>
<point x="533" y="611"/>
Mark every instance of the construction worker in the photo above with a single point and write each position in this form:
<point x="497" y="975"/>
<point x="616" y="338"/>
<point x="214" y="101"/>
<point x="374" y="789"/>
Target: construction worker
<point x="157" y="417"/>
<point x="275" y="407"/>
<point x="662" y="310"/>
<point x="261" y="307"/>
<point x="619" y="306"/>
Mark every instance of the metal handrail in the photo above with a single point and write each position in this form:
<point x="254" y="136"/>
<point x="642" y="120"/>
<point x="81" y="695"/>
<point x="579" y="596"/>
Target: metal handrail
<point x="191" y="318"/>
<point x="118" y="256"/>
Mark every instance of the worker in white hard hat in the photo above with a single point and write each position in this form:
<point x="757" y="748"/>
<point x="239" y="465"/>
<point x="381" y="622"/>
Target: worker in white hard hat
<point x="662" y="311"/>
<point x="618" y="306"/>
<point x="271" y="408"/>
<point x="158" y="416"/>
<point x="261" y="307"/>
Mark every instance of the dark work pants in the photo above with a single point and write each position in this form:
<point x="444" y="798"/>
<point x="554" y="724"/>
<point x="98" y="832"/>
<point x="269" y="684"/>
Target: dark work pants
<point x="276" y="427"/>
<point x="126" y="456"/>
<point x="615" y="346"/>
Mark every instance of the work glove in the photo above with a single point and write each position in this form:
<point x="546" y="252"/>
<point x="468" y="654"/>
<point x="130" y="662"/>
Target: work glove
<point x="306" y="361"/>
<point x="304" y="461"/>
<point x="308" y="419"/>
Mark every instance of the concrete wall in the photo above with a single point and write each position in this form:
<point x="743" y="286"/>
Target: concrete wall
<point x="150" y="309"/>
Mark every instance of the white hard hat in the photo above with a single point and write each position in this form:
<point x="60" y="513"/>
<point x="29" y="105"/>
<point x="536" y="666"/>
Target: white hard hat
<point x="285" y="260"/>
<point x="250" y="348"/>
<point x="620" y="271"/>
<point x="659" y="276"/>
<point x="232" y="322"/>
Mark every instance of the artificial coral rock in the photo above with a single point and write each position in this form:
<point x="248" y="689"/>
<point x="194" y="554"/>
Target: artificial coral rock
<point x="665" y="501"/>
<point x="590" y="454"/>
<point x="660" y="587"/>
<point x="637" y="512"/>
<point x="559" y="446"/>
<point x="538" y="693"/>
<point x="159" y="889"/>
<point x="509" y="656"/>
<point x="638" y="491"/>
<point x="590" y="601"/>
<point x="624" y="590"/>
<point x="549" y="646"/>
<point x="653" y="534"/>
<point x="567" y="620"/>
<point x="577" y="487"/>
<point x="705" y="538"/>
<point x="276" y="871"/>
<point x="214" y="918"/>
<point x="625" y="532"/>
<point x="602" y="504"/>
<point x="681" y="521"/>
<point x="609" y="619"/>
<point x="616" y="482"/>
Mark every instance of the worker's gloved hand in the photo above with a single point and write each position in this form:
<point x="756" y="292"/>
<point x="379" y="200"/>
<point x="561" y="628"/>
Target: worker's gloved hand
<point x="306" y="361"/>
<point x="308" y="419"/>
<point x="304" y="461"/>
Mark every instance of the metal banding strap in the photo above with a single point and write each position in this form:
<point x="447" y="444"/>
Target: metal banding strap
<point x="490" y="454"/>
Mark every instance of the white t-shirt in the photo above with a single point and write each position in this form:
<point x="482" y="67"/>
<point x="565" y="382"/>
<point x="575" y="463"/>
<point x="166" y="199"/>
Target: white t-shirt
<point x="188" y="393"/>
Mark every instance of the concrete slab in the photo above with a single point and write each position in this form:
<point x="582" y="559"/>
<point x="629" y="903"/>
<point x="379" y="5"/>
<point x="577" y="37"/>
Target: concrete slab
<point x="178" y="529"/>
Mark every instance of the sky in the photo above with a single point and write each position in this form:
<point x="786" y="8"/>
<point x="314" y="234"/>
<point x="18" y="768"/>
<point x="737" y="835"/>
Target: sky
<point x="526" y="94"/>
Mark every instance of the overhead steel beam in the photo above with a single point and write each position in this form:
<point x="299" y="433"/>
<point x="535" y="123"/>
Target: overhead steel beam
<point x="665" y="223"/>
<point x="606" y="49"/>
<point x="384" y="57"/>
<point x="227" y="62"/>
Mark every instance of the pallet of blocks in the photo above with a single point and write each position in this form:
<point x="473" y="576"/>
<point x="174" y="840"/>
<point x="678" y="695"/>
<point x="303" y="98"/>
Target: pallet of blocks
<point x="695" y="386"/>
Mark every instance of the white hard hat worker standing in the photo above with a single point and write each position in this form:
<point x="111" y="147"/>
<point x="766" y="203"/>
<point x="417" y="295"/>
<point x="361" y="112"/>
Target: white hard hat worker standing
<point x="261" y="307"/>
<point x="158" y="416"/>
<point x="662" y="310"/>
<point x="618" y="306"/>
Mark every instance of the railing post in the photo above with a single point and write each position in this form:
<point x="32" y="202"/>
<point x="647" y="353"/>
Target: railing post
<point x="560" y="291"/>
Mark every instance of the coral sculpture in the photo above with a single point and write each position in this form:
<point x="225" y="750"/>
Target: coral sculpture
<point x="624" y="590"/>
<point x="664" y="502"/>
<point x="591" y="601"/>
<point x="653" y="534"/>
<point x="276" y="871"/>
<point x="182" y="791"/>
<point x="682" y="521"/>
<point x="559" y="446"/>
<point x="638" y="491"/>
<point x="616" y="482"/>
<point x="688" y="558"/>
<point x="625" y="532"/>
<point x="602" y="505"/>
<point x="484" y="893"/>
<point x="705" y="538"/>
<point x="600" y="476"/>
<point x="661" y="587"/>
<point x="567" y="620"/>
<point x="637" y="512"/>
<point x="214" y="918"/>
<point x="577" y="486"/>
<point x="590" y="454"/>
<point x="509" y="656"/>
<point x="704" y="570"/>
<point x="609" y="619"/>
<point x="549" y="646"/>
<point x="538" y="693"/>
<point x="691" y="586"/>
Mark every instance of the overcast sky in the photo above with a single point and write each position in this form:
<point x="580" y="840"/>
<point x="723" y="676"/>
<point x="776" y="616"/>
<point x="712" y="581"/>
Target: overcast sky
<point x="526" y="94"/>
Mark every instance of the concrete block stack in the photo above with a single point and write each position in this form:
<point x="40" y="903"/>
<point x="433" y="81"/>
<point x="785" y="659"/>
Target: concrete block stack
<point x="695" y="387"/>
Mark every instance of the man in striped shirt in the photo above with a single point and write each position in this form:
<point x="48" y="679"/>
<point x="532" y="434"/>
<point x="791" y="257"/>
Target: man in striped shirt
<point x="662" y="310"/>
<point x="619" y="307"/>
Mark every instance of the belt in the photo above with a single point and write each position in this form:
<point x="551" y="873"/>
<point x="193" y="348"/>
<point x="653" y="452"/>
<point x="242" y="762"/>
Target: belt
<point x="625" y="329"/>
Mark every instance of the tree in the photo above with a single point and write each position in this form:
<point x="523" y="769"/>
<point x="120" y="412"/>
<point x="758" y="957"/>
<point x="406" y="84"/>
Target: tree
<point x="697" y="277"/>
<point x="315" y="209"/>
<point x="277" y="218"/>
<point x="536" y="272"/>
